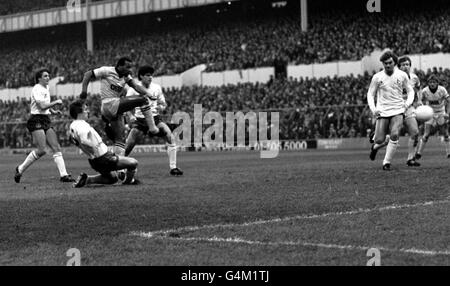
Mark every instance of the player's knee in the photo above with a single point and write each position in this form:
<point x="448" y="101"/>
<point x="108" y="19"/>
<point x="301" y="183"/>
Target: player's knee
<point x="154" y="131"/>
<point x="133" y="163"/>
<point x="379" y="140"/>
<point x="425" y="138"/>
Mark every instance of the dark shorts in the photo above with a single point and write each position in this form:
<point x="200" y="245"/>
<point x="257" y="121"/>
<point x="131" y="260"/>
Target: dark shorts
<point x="141" y="125"/>
<point x="106" y="163"/>
<point x="39" y="121"/>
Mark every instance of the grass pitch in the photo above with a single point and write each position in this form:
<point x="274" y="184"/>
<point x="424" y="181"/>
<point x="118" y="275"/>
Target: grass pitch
<point x="232" y="208"/>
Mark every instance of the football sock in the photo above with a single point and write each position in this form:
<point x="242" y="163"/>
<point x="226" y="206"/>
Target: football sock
<point x="172" y="152"/>
<point x="31" y="158"/>
<point x="390" y="151"/>
<point x="119" y="148"/>
<point x="59" y="161"/>
<point x="411" y="148"/>
<point x="421" y="146"/>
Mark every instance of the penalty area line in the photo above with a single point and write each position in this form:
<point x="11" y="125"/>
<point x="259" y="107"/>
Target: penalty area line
<point x="238" y="240"/>
<point x="167" y="232"/>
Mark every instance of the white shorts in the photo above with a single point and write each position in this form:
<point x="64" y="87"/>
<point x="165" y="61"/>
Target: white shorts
<point x="109" y="108"/>
<point x="438" y="119"/>
<point x="410" y="113"/>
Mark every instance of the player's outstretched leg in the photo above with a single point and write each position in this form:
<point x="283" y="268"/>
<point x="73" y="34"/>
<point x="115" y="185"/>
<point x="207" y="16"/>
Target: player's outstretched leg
<point x="102" y="179"/>
<point x="413" y="130"/>
<point x="171" y="149"/>
<point x="395" y="123"/>
<point x="423" y="141"/>
<point x="40" y="139"/>
<point x="58" y="157"/>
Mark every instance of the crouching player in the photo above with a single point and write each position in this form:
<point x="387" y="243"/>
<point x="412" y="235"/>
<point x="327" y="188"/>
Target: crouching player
<point x="437" y="97"/>
<point x="139" y="125"/>
<point x="100" y="159"/>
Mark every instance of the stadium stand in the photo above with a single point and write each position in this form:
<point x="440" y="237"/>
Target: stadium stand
<point x="231" y="42"/>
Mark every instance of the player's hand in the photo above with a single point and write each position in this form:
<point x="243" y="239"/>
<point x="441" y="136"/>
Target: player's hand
<point x="56" y="112"/>
<point x="83" y="95"/>
<point x="58" y="101"/>
<point x="376" y="113"/>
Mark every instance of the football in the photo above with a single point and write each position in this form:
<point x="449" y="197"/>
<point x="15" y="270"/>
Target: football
<point x="424" y="113"/>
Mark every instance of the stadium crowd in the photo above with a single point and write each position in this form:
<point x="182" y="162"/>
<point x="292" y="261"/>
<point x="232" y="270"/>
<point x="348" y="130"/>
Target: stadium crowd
<point x="309" y="108"/>
<point x="237" y="44"/>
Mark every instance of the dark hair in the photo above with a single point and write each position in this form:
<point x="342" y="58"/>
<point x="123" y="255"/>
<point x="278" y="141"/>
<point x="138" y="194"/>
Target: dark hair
<point x="76" y="108"/>
<point x="389" y="54"/>
<point x="145" y="70"/>
<point x="433" y="77"/>
<point x="39" y="73"/>
<point x="403" y="59"/>
<point x="122" y="61"/>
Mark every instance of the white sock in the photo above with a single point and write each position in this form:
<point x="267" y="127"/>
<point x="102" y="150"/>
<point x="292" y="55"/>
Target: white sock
<point x="390" y="151"/>
<point x="119" y="148"/>
<point x="59" y="161"/>
<point x="411" y="149"/>
<point x="447" y="147"/>
<point x="31" y="158"/>
<point x="421" y="146"/>
<point x="172" y="152"/>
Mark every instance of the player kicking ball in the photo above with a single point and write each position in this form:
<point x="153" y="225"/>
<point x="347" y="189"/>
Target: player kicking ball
<point x="388" y="86"/>
<point x="437" y="97"/>
<point x="139" y="124"/>
<point x="101" y="160"/>
<point x="410" y="121"/>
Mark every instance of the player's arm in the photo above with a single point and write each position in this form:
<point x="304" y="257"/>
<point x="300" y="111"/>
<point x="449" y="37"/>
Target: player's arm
<point x="410" y="91"/>
<point x="161" y="102"/>
<point x="39" y="98"/>
<point x="139" y="88"/>
<point x="447" y="99"/>
<point x="371" y="96"/>
<point x="88" y="76"/>
<point x="422" y="100"/>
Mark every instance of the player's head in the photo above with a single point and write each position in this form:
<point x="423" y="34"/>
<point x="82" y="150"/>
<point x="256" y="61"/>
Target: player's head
<point x="389" y="60"/>
<point x="433" y="81"/>
<point x="123" y="66"/>
<point x="78" y="110"/>
<point x="42" y="76"/>
<point x="145" y="74"/>
<point x="404" y="63"/>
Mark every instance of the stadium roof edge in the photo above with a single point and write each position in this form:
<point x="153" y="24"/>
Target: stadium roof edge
<point x="98" y="10"/>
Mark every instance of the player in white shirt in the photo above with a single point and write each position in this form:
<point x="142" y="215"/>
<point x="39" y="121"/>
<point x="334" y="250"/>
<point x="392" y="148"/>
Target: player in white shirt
<point x="39" y="125"/>
<point x="404" y="64"/>
<point x="101" y="160"/>
<point x="113" y="80"/>
<point x="437" y="97"/>
<point x="388" y="85"/>
<point x="139" y="125"/>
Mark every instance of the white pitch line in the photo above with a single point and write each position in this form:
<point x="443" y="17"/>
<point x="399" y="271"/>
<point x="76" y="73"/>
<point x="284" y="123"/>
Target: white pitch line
<point x="309" y="244"/>
<point x="299" y="217"/>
